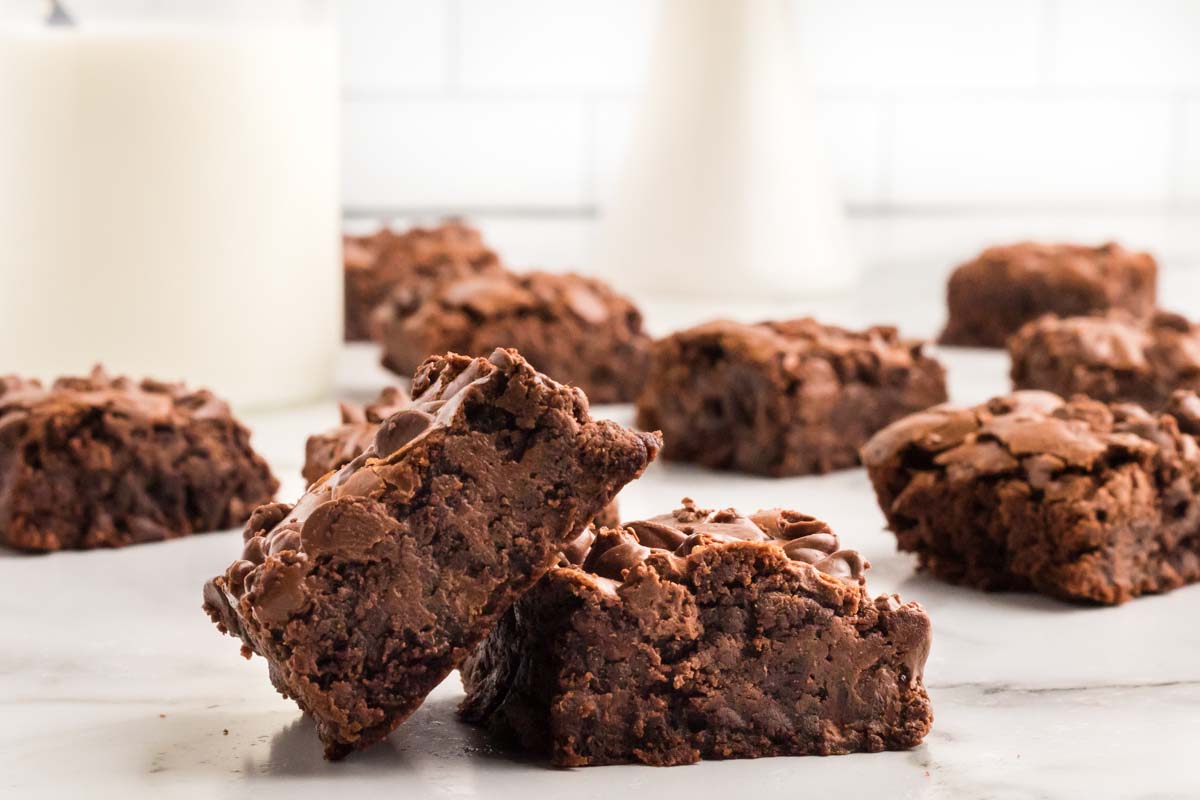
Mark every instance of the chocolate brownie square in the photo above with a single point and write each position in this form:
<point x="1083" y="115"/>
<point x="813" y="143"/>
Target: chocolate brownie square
<point x="338" y="446"/>
<point x="997" y="292"/>
<point x="575" y="329"/>
<point x="364" y="595"/>
<point x="1077" y="499"/>
<point x="1111" y="358"/>
<point x="412" y="262"/>
<point x="704" y="635"/>
<point x="98" y="461"/>
<point x="782" y="398"/>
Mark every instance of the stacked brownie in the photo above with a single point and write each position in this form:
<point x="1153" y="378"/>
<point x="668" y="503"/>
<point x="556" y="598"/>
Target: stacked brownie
<point x="704" y="634"/>
<point x="382" y="578"/>
<point x="411" y="263"/>
<point x="1078" y="499"/>
<point x="341" y="444"/>
<point x="98" y="461"/>
<point x="575" y="329"/>
<point x="782" y="398"/>
<point x="993" y="295"/>
<point x="1111" y="358"/>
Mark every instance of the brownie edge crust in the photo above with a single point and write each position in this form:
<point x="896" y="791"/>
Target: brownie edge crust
<point x="364" y="595"/>
<point x="703" y="635"/>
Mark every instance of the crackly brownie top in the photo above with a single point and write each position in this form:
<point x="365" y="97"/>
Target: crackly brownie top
<point x="418" y="249"/>
<point x="531" y="294"/>
<point x="440" y="388"/>
<point x="1116" y="341"/>
<point x="1087" y="262"/>
<point x="792" y="342"/>
<point x="1034" y="434"/>
<point x="671" y="538"/>
<point x="145" y="401"/>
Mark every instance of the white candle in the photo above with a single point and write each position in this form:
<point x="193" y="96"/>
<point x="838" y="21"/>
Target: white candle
<point x="169" y="204"/>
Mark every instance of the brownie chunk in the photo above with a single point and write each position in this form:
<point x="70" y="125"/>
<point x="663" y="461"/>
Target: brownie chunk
<point x="782" y="398"/>
<point x="1077" y="499"/>
<point x="338" y="446"/>
<point x="379" y="581"/>
<point x="704" y="634"/>
<point x="993" y="295"/>
<point x="413" y="262"/>
<point x="98" y="461"/>
<point x="575" y="329"/>
<point x="1112" y="358"/>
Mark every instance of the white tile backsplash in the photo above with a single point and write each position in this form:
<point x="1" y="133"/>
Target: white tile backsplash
<point x="1189" y="154"/>
<point x="463" y="152"/>
<point x="1109" y="43"/>
<point x="920" y="43"/>
<point x="1048" y="151"/>
<point x="526" y="105"/>
<point x="582" y="45"/>
<point x="396" y="45"/>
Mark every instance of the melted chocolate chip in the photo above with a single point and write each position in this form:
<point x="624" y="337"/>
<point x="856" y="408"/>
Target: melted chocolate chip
<point x="612" y="553"/>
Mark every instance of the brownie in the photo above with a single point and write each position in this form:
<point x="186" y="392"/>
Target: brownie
<point x="997" y="292"/>
<point x="704" y="635"/>
<point x="1113" y="358"/>
<point x="337" y="447"/>
<point x="99" y="461"/>
<point x="413" y="261"/>
<point x="575" y="329"/>
<point x="782" y="398"/>
<point x="1077" y="499"/>
<point x="364" y="595"/>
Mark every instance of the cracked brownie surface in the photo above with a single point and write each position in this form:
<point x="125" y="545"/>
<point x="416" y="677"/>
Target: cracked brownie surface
<point x="782" y="398"/>
<point x="412" y="261"/>
<point x="1077" y="499"/>
<point x="994" y="294"/>
<point x="98" y="461"/>
<point x="703" y="635"/>
<point x="1111" y="358"/>
<point x="366" y="593"/>
<point x="575" y="329"/>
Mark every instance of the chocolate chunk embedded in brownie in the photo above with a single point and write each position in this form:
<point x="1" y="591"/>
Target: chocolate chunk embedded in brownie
<point x="1077" y="499"/>
<point x="379" y="581"/>
<point x="704" y="635"/>
<point x="107" y="462"/>
<point x="1112" y="358"/>
<point x="413" y="261"/>
<point x="575" y="329"/>
<point x="336" y="447"/>
<point x="997" y="292"/>
<point x="782" y="398"/>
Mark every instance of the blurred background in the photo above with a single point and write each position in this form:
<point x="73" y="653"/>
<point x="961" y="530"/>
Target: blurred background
<point x="950" y="125"/>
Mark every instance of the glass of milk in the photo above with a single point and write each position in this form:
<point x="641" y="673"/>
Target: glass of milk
<point x="169" y="193"/>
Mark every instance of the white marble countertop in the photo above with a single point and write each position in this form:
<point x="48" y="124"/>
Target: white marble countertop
<point x="114" y="683"/>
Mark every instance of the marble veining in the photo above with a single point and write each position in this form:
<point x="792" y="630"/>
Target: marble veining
<point x="113" y="683"/>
